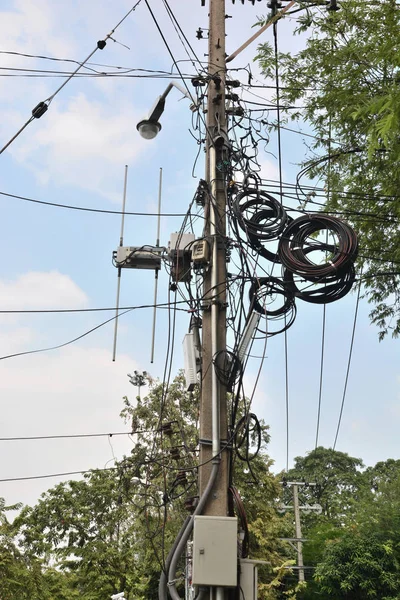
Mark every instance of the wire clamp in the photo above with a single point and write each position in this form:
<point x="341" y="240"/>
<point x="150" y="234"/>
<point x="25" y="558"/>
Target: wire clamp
<point x="206" y="442"/>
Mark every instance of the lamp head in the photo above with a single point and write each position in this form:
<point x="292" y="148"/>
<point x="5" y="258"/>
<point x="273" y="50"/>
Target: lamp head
<point x="148" y="128"/>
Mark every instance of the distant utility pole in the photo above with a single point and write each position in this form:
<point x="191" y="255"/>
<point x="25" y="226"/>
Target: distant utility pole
<point x="213" y="406"/>
<point x="298" y="540"/>
<point x="300" y="562"/>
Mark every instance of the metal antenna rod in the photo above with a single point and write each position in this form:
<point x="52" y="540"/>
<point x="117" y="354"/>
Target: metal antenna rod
<point x="121" y="243"/>
<point x="156" y="270"/>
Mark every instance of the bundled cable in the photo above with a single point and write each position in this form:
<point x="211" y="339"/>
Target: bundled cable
<point x="228" y="368"/>
<point x="323" y="291"/>
<point x="271" y="298"/>
<point x="248" y="431"/>
<point x="259" y="214"/>
<point x="298" y="242"/>
<point x="241" y="511"/>
<point x="333" y="276"/>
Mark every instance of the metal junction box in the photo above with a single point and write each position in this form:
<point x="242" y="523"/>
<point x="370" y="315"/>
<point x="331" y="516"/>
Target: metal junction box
<point x="215" y="551"/>
<point x="249" y="577"/>
<point x="138" y="257"/>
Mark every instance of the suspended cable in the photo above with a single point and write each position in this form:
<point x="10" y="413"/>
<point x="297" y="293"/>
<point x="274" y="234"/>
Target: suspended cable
<point x="50" y="475"/>
<point x="43" y="106"/>
<point x="348" y="362"/>
<point x="94" y="210"/>
<point x="72" y="436"/>
<point x="321" y="373"/>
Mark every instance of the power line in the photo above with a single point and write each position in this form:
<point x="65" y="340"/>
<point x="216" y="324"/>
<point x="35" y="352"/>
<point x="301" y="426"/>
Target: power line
<point x="70" y="436"/>
<point x="83" y="310"/>
<point x="348" y="363"/>
<point x="93" y="210"/>
<point x="43" y="106"/>
<point x="321" y="374"/>
<point x="79" y="337"/>
<point x="50" y="475"/>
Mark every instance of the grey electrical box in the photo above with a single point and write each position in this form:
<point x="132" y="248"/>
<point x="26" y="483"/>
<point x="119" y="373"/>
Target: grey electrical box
<point x="138" y="257"/>
<point x="181" y="241"/>
<point x="249" y="577"/>
<point x="201" y="252"/>
<point x="215" y="551"/>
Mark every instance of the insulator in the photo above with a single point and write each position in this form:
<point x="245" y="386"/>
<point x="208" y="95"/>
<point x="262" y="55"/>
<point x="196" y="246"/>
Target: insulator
<point x="166" y="428"/>
<point x="191" y="503"/>
<point x="175" y="454"/>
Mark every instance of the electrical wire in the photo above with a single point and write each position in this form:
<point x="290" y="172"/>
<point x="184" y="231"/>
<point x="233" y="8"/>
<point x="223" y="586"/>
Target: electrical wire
<point x="72" y="436"/>
<point x="51" y="475"/>
<point x="348" y="364"/>
<point x="43" y="106"/>
<point x="83" y="310"/>
<point x="93" y="210"/>
<point x="74" y="339"/>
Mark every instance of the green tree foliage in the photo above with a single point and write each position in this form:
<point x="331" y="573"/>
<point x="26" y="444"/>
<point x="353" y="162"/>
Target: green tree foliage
<point x="23" y="576"/>
<point x="338" y="477"/>
<point x="347" y="80"/>
<point x="112" y="530"/>
<point x="359" y="567"/>
<point x="355" y="544"/>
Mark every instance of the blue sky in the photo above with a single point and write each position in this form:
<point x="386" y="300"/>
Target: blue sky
<point x="55" y="258"/>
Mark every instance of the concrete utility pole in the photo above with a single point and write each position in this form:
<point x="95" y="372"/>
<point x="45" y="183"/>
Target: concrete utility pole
<point x="213" y="405"/>
<point x="298" y="540"/>
<point x="300" y="562"/>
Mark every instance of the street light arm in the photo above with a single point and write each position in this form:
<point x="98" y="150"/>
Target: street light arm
<point x="179" y="87"/>
<point x="148" y="128"/>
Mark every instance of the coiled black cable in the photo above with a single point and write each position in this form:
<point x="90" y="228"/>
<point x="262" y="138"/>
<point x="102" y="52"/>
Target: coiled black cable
<point x="298" y="241"/>
<point x="259" y="214"/>
<point x="263" y="292"/>
<point x="323" y="291"/>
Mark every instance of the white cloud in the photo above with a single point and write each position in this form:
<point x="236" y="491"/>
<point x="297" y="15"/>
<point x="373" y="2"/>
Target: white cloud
<point x="71" y="391"/>
<point x="41" y="290"/>
<point x="86" y="145"/>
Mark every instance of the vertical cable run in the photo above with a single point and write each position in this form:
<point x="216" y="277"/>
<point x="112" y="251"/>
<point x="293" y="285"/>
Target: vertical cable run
<point x="278" y="117"/>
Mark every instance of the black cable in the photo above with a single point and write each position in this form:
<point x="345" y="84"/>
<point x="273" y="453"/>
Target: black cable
<point x="43" y="106"/>
<point x="49" y="475"/>
<point x="72" y="436"/>
<point x="348" y="363"/>
<point x="93" y="210"/>
<point x="167" y="46"/>
<point x="278" y="114"/>
<point x="175" y="22"/>
<point x="321" y="374"/>
<point x="82" y="310"/>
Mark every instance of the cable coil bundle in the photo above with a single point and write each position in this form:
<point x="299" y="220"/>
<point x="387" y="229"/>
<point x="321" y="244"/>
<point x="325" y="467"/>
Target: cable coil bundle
<point x="261" y="217"/>
<point x="334" y="274"/>
<point x="264" y="292"/>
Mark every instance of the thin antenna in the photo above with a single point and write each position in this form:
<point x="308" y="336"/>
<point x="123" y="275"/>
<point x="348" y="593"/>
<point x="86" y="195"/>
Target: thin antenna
<point x="121" y="243"/>
<point x="156" y="270"/>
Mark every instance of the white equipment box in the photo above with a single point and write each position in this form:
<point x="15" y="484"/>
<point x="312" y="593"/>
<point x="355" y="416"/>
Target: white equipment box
<point x="215" y="551"/>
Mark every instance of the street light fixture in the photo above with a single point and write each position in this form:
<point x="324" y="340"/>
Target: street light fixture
<point x="149" y="128"/>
